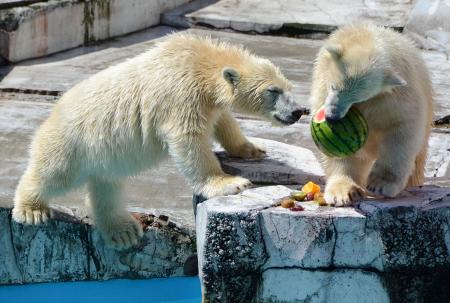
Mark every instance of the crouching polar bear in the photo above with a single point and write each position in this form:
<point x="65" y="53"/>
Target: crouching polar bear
<point x="169" y="100"/>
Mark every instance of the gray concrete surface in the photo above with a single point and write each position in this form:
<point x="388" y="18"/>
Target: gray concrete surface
<point x="266" y="16"/>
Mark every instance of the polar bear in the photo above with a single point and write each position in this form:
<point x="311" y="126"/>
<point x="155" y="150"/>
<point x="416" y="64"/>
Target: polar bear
<point x="169" y="100"/>
<point x="381" y="73"/>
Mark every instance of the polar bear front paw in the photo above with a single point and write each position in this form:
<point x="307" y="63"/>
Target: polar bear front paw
<point x="121" y="231"/>
<point x="249" y="150"/>
<point x="31" y="215"/>
<point x="343" y="192"/>
<point x="224" y="185"/>
<point x="381" y="187"/>
<point x="385" y="181"/>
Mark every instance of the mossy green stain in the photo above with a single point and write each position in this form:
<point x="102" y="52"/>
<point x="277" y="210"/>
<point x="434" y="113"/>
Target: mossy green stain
<point x="104" y="11"/>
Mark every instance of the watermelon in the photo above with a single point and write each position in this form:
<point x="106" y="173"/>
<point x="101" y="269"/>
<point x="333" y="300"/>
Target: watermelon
<point x="341" y="138"/>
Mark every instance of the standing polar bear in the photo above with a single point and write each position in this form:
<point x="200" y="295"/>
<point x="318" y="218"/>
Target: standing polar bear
<point x="381" y="73"/>
<point x="169" y="100"/>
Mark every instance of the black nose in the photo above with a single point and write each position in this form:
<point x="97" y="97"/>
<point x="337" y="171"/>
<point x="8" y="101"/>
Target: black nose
<point x="299" y="112"/>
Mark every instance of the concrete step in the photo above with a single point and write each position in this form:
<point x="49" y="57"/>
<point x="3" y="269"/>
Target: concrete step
<point x="47" y="27"/>
<point x="294" y="15"/>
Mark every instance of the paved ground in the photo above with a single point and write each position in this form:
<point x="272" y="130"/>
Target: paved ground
<point x="265" y="16"/>
<point x="164" y="188"/>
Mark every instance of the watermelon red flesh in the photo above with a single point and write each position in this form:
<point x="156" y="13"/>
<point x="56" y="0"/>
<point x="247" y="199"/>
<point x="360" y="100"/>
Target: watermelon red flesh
<point x="320" y="115"/>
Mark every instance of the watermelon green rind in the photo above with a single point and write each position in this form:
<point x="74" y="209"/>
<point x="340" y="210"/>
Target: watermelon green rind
<point x="318" y="144"/>
<point x="340" y="144"/>
<point x="365" y="135"/>
<point x="352" y="126"/>
<point x="348" y="141"/>
<point x="343" y="138"/>
<point x="355" y="114"/>
<point x="327" y="146"/>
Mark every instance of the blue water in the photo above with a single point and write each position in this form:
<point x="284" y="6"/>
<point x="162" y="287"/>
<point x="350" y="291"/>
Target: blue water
<point x="172" y="290"/>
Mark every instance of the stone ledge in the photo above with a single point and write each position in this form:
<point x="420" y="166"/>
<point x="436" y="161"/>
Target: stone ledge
<point x="284" y="164"/>
<point x="68" y="249"/>
<point x="241" y="237"/>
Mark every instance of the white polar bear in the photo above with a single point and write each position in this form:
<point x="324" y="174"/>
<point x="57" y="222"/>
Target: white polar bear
<point x="381" y="73"/>
<point x="169" y="100"/>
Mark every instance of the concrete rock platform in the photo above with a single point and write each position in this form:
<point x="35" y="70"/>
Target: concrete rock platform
<point x="393" y="250"/>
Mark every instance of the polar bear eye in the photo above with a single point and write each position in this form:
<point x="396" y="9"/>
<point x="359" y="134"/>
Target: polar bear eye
<point x="274" y="90"/>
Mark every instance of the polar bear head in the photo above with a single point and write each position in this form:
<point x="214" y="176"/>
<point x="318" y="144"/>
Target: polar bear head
<point x="259" y="88"/>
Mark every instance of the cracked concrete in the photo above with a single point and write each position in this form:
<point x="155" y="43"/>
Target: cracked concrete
<point x="348" y="249"/>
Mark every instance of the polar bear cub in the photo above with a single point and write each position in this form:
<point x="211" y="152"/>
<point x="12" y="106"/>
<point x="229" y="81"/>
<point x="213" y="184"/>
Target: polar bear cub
<point x="169" y="100"/>
<point x="382" y="74"/>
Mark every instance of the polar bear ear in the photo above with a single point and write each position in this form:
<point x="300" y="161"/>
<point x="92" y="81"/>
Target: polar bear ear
<point x="392" y="79"/>
<point x="231" y="75"/>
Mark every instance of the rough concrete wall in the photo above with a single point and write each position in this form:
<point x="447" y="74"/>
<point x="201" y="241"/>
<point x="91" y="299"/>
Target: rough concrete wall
<point x="48" y="27"/>
<point x="69" y="249"/>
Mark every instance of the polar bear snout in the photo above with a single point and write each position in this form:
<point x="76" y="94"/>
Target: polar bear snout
<point x="286" y="111"/>
<point x="298" y="113"/>
<point x="291" y="118"/>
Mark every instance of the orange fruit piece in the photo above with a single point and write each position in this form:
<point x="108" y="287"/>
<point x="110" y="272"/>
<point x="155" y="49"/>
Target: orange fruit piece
<point x="311" y="187"/>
